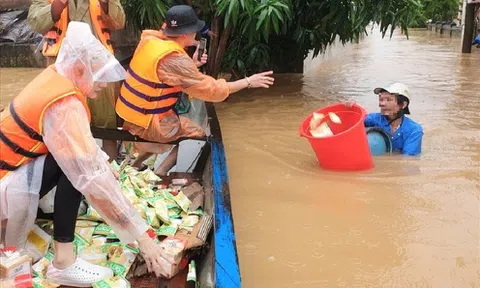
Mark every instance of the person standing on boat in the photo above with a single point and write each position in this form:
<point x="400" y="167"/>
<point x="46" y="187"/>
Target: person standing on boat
<point x="46" y="142"/>
<point x="159" y="71"/>
<point x="394" y="102"/>
<point x="51" y="18"/>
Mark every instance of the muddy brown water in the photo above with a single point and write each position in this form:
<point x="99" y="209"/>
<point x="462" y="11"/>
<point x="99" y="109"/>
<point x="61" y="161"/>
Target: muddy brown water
<point x="409" y="222"/>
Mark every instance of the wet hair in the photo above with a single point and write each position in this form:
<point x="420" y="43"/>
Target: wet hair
<point x="400" y="101"/>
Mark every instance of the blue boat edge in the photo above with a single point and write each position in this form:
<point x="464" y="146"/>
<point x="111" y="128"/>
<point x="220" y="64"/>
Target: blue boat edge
<point x="227" y="268"/>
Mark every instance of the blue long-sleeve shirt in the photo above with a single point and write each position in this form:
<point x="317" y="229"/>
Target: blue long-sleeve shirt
<point x="477" y="40"/>
<point x="408" y="137"/>
<point x="204" y="30"/>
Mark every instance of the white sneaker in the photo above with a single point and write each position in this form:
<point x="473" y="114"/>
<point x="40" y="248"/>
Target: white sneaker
<point x="79" y="274"/>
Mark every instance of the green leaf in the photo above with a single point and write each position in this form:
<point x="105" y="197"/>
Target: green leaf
<point x="261" y="19"/>
<point x="275" y="25"/>
<point x="266" y="30"/>
<point x="282" y="5"/>
<point x="233" y="5"/>
<point x="279" y="15"/>
<point x="241" y="66"/>
<point x="258" y="9"/>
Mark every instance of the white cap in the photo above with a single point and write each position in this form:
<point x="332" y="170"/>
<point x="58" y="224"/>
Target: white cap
<point x="397" y="88"/>
<point x="83" y="59"/>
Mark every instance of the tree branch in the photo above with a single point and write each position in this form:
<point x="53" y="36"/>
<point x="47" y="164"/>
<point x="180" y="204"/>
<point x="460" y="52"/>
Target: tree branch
<point x="222" y="46"/>
<point x="212" y="51"/>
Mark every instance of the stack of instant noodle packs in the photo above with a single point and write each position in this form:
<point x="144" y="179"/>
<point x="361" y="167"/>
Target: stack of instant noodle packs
<point x="167" y="210"/>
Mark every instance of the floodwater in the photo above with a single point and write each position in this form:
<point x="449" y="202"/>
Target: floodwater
<point x="409" y="222"/>
<point x="12" y="81"/>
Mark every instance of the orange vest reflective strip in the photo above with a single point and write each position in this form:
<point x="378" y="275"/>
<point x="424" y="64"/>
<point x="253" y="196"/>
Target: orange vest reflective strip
<point x="142" y="94"/>
<point x="21" y="124"/>
<point x="55" y="36"/>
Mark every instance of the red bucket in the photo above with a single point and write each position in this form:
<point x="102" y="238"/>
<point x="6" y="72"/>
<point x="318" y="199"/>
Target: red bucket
<point x="347" y="149"/>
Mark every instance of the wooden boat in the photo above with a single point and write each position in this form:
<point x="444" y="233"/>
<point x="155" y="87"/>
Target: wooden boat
<point x="218" y="267"/>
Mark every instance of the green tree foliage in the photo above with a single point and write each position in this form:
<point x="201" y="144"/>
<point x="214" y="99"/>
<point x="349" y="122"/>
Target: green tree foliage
<point x="145" y="14"/>
<point x="252" y="35"/>
<point x="436" y="10"/>
<point x="440" y="10"/>
<point x="308" y="25"/>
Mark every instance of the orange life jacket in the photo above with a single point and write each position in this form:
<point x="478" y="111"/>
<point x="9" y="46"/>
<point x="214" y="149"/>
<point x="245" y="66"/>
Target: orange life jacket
<point x="56" y="34"/>
<point x="142" y="94"/>
<point x="21" y="123"/>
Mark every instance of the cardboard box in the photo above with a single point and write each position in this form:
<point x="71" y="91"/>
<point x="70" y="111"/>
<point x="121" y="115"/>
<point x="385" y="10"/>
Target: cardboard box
<point x="14" y="266"/>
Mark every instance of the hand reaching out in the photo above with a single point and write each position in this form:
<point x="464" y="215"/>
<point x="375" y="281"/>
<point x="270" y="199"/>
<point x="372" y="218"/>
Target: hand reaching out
<point x="261" y="80"/>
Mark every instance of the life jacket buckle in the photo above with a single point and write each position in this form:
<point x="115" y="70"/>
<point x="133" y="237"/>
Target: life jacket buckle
<point x="16" y="149"/>
<point x="33" y="134"/>
<point x="5" y="166"/>
<point x="51" y="41"/>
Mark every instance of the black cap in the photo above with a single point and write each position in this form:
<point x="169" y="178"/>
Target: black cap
<point x="182" y="19"/>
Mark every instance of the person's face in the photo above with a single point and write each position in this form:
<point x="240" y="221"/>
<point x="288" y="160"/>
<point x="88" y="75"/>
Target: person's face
<point x="83" y="79"/>
<point x="388" y="104"/>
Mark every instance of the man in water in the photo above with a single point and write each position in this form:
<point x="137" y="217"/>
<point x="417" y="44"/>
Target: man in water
<point x="394" y="104"/>
<point x="476" y="41"/>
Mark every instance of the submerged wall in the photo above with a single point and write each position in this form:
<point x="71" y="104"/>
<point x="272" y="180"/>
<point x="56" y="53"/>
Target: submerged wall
<point x="19" y="55"/>
<point x="445" y="28"/>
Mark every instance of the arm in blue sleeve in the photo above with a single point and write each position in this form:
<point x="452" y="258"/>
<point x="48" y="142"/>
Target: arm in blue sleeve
<point x="413" y="144"/>
<point x="204" y="30"/>
<point x="370" y="121"/>
<point x="476" y="40"/>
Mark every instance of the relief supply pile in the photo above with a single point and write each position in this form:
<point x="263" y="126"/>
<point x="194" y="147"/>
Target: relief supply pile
<point x="174" y="212"/>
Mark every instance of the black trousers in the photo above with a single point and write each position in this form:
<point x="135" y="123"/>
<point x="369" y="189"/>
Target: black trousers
<point x="66" y="203"/>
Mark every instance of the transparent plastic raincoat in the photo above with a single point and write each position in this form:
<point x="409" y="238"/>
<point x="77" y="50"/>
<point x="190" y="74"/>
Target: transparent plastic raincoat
<point x="83" y="60"/>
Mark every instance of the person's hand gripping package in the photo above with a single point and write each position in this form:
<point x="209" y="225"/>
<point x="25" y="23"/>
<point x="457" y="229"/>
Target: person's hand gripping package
<point x="153" y="255"/>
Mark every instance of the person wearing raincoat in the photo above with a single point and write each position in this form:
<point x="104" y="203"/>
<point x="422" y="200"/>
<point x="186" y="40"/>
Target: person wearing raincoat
<point x="51" y="17"/>
<point x="159" y="71"/>
<point x="46" y="142"/>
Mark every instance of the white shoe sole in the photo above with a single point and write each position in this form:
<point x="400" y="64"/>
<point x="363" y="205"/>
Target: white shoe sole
<point x="67" y="283"/>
